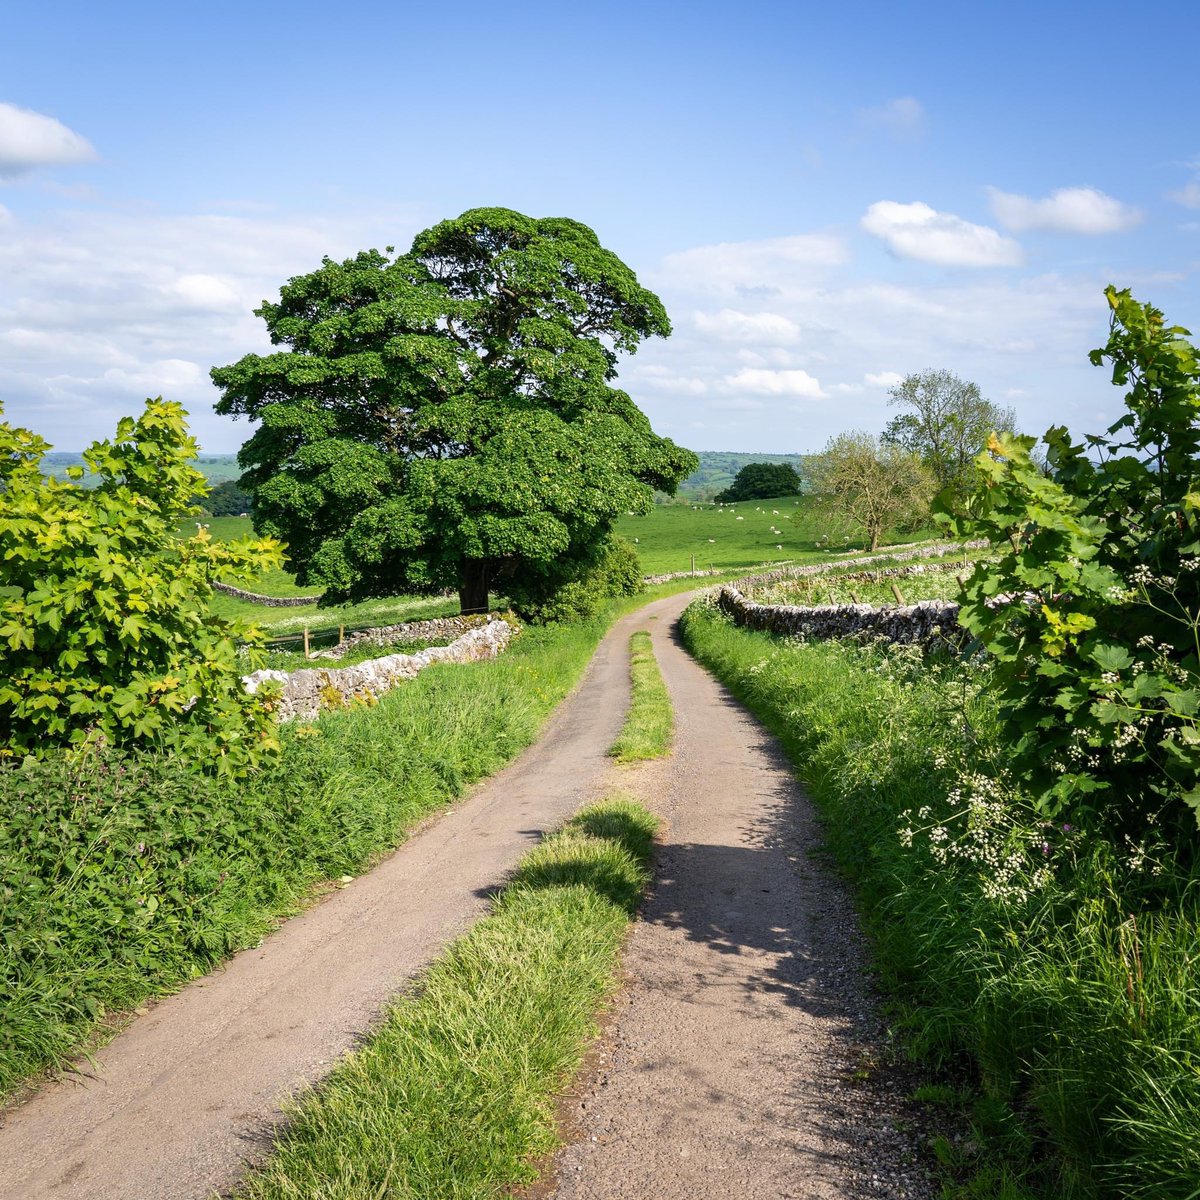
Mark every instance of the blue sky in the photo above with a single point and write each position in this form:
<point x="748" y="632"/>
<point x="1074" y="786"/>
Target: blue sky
<point x="826" y="197"/>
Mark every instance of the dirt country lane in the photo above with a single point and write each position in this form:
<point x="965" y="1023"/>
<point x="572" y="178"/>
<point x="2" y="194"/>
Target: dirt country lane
<point x="729" y="1071"/>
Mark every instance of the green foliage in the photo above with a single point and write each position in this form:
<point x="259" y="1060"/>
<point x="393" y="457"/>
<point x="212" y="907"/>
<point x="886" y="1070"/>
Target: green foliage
<point x="761" y="481"/>
<point x="104" y="613"/>
<point x="1052" y="973"/>
<point x="454" y="1094"/>
<point x="575" y="590"/>
<point x="228" y="499"/>
<point x="718" y="468"/>
<point x="1097" y="651"/>
<point x="947" y="423"/>
<point x="872" y="485"/>
<point x="446" y="417"/>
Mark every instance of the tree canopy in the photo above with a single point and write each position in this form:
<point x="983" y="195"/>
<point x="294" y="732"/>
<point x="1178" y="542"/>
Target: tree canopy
<point x="228" y="499"/>
<point x="947" y="423"/>
<point x="448" y="417"/>
<point x="761" y="481"/>
<point x="873" y="485"/>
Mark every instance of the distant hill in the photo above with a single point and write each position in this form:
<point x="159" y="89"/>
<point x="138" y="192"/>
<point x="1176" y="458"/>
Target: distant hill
<point x="718" y="467"/>
<point x="216" y="468"/>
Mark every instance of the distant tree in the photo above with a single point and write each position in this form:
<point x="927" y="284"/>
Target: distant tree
<point x="228" y="499"/>
<point x="761" y="481"/>
<point x="447" y="417"/>
<point x="947" y="423"/>
<point x="872" y="484"/>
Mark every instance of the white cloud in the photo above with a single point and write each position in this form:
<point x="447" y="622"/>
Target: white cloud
<point x="884" y="379"/>
<point x="730" y="325"/>
<point x="903" y="117"/>
<point x="1188" y="195"/>
<point x="918" y="231"/>
<point x="666" y="380"/>
<point x="1068" y="210"/>
<point x="764" y="382"/>
<point x="100" y="309"/>
<point x="31" y="139"/>
<point x="1002" y="332"/>
<point x="760" y="267"/>
<point x="206" y="292"/>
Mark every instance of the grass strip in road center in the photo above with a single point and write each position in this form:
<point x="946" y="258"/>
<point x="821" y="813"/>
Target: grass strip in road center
<point x="454" y="1096"/>
<point x="649" y="727"/>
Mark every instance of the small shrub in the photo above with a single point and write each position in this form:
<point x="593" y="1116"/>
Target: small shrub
<point x="104" y="617"/>
<point x="1096" y="646"/>
<point x="580" y="590"/>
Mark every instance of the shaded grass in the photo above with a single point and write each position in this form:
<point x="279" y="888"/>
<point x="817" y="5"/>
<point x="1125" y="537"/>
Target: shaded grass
<point x="294" y="660"/>
<point x="454" y="1095"/>
<point x="650" y="722"/>
<point x="323" y="623"/>
<point x="1067" y="1013"/>
<point x="123" y="877"/>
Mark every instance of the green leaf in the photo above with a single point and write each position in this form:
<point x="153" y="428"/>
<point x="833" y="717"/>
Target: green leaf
<point x="1110" y="657"/>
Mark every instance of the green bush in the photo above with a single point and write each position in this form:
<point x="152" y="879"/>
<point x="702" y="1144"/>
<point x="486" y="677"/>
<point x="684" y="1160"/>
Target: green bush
<point x="104" y="616"/>
<point x="579" y="590"/>
<point x="1095" y="650"/>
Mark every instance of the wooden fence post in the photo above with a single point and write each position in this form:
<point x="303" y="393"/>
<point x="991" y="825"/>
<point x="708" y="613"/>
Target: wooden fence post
<point x="306" y="641"/>
<point x="898" y="594"/>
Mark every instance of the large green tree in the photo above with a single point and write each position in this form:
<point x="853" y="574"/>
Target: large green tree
<point x="761" y="481"/>
<point x="946" y="421"/>
<point x="448" y="417"/>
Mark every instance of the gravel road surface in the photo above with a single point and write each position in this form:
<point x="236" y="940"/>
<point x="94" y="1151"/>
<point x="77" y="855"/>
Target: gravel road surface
<point x="729" y="1070"/>
<point x="742" y="1059"/>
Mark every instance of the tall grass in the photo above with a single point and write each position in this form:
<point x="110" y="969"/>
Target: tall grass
<point x="1059" y="972"/>
<point x="454" y="1095"/>
<point x="122" y="877"/>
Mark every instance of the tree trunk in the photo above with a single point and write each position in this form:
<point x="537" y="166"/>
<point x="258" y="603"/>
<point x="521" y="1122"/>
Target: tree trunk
<point x="473" y="585"/>
<point x="874" y="541"/>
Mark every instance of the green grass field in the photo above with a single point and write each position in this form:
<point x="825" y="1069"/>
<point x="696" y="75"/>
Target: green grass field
<point x="735" y="535"/>
<point x="738" y="535"/>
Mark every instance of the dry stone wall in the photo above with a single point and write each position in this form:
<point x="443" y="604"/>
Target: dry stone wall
<point x="774" y="574"/>
<point x="307" y="692"/>
<point x="227" y="589"/>
<point x="411" y="631"/>
<point x="928" y="623"/>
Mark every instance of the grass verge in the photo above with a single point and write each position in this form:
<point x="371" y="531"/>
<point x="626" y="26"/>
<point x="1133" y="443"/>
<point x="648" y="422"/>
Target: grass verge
<point x="454" y="1095"/>
<point x="1049" y="975"/>
<point x="651" y="721"/>
<point x="121" y="877"/>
